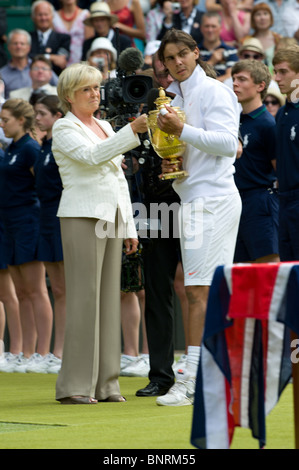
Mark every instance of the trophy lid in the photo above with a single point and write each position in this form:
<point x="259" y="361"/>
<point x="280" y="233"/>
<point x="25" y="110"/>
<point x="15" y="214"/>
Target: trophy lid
<point x="162" y="99"/>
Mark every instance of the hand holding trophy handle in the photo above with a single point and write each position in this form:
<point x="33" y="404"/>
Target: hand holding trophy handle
<point x="170" y="166"/>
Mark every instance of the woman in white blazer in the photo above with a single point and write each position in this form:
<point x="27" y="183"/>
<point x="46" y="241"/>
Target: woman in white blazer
<point x="96" y="216"/>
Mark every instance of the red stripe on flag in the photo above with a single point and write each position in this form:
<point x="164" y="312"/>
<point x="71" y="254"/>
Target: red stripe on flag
<point x="229" y="412"/>
<point x="235" y="343"/>
<point x="252" y="290"/>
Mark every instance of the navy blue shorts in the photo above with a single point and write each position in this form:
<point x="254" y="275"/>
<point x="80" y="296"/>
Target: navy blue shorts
<point x="258" y="229"/>
<point x="20" y="237"/>
<point x="3" y="265"/>
<point x="289" y="225"/>
<point x="49" y="242"/>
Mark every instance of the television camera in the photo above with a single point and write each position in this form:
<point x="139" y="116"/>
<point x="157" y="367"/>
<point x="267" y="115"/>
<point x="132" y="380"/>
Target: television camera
<point x="122" y="97"/>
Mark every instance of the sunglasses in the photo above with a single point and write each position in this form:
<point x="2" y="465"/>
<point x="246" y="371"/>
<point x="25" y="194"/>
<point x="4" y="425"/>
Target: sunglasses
<point x="252" y="56"/>
<point x="274" y="102"/>
<point x="162" y="74"/>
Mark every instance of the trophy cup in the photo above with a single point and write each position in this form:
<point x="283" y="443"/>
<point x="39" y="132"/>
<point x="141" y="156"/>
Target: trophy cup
<point x="166" y="145"/>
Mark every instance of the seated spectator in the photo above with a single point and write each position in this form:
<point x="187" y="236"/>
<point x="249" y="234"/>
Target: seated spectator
<point x="215" y="51"/>
<point x="251" y="48"/>
<point x="103" y="22"/>
<point x="274" y="100"/>
<point x="15" y="74"/>
<point x="40" y="73"/>
<point x="235" y="23"/>
<point x="44" y="40"/>
<point x="188" y="19"/>
<point x="261" y="23"/>
<point x="69" y="20"/>
<point x="278" y="9"/>
<point x="103" y="56"/>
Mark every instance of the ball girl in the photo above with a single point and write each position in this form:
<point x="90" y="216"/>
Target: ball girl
<point x="20" y="212"/>
<point x="9" y="312"/>
<point x="49" y="187"/>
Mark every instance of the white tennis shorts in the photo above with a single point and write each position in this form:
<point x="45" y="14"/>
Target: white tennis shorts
<point x="208" y="232"/>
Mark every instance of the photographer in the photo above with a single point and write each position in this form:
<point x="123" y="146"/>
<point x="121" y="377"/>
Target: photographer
<point x="103" y="55"/>
<point x="185" y="16"/>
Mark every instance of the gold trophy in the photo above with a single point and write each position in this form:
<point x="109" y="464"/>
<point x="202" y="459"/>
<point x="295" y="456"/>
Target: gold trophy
<point x="166" y="145"/>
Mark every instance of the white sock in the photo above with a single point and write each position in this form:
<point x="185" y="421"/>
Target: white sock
<point x="193" y="360"/>
<point x="130" y="358"/>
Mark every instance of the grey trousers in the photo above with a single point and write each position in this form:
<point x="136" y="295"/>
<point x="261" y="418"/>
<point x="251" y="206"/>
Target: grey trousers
<point x="92" y="344"/>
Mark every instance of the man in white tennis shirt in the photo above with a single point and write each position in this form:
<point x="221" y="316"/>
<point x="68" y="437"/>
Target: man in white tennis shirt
<point x="211" y="205"/>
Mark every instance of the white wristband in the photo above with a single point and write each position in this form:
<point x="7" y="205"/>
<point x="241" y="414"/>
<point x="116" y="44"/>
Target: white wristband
<point x="163" y="111"/>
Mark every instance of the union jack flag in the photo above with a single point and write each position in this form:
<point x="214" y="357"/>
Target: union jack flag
<point x="245" y="358"/>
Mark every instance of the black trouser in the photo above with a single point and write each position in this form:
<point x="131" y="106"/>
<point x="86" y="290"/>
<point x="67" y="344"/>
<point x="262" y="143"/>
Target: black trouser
<point x="161" y="256"/>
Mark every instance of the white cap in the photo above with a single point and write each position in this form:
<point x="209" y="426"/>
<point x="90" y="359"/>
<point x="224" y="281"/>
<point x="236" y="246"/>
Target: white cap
<point x="102" y="43"/>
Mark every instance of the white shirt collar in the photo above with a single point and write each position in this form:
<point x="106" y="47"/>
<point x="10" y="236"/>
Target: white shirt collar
<point x="181" y="88"/>
<point x="44" y="35"/>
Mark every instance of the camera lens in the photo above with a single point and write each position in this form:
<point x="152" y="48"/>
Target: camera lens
<point x="136" y="88"/>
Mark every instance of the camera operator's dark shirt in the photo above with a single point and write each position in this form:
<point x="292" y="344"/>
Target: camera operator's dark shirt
<point x="153" y="188"/>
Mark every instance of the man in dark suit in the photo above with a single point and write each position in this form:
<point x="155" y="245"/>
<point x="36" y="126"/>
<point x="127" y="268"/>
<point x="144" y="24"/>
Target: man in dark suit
<point x="102" y="21"/>
<point x="55" y="46"/>
<point x="186" y="17"/>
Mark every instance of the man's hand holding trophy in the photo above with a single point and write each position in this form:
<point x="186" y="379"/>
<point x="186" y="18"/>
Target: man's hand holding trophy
<point x="165" y="125"/>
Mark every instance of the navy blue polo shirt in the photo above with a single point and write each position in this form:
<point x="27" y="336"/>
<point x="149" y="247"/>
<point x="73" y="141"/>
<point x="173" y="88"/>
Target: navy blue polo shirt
<point x="48" y="181"/>
<point x="230" y="57"/>
<point x="287" y="146"/>
<point x="17" y="184"/>
<point x="254" y="169"/>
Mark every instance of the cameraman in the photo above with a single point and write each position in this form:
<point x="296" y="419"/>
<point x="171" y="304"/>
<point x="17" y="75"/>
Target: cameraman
<point x="161" y="266"/>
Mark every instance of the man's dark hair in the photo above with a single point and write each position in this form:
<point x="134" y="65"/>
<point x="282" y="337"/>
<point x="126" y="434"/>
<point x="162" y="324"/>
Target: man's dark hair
<point x="174" y="36"/>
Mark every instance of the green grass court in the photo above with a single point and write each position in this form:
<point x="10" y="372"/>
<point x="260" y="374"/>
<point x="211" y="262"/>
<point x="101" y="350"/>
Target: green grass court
<point x="30" y="418"/>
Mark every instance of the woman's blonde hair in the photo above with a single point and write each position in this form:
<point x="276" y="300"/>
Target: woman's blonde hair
<point x="20" y="108"/>
<point x="73" y="78"/>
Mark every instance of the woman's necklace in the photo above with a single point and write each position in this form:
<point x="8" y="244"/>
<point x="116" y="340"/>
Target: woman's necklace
<point x="69" y="18"/>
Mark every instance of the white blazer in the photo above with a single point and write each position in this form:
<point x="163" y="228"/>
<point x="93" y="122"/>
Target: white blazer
<point x="94" y="184"/>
